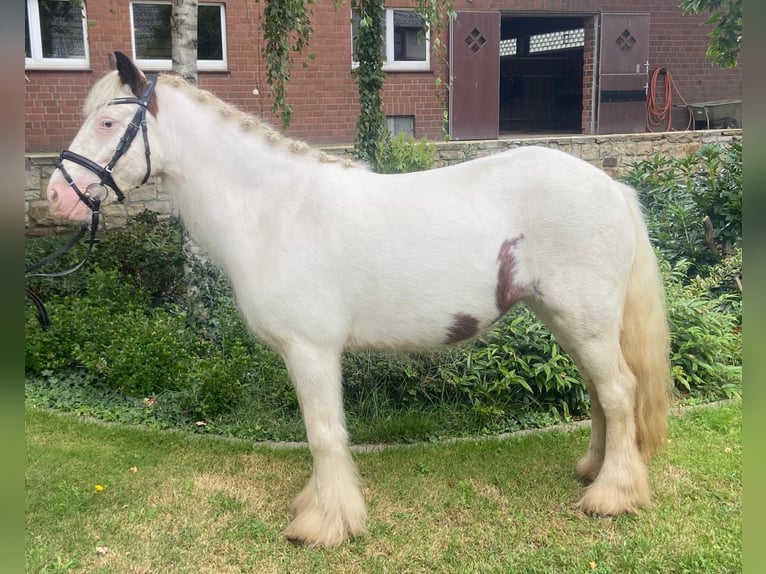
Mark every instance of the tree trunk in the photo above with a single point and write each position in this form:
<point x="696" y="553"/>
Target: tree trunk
<point x="183" y="35"/>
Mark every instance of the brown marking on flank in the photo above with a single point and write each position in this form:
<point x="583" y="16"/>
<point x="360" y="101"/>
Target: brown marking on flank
<point x="464" y="326"/>
<point x="508" y="291"/>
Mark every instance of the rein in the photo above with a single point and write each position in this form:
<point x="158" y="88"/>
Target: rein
<point x="93" y="201"/>
<point x="42" y="313"/>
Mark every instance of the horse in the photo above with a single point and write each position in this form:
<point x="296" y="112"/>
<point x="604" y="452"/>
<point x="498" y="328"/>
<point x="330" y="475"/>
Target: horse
<point x="325" y="255"/>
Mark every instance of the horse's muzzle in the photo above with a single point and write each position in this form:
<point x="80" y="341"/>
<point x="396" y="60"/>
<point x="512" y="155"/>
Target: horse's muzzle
<point x="65" y="203"/>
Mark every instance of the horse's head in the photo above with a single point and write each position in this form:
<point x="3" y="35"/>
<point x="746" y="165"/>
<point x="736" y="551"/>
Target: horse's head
<point x="115" y="148"/>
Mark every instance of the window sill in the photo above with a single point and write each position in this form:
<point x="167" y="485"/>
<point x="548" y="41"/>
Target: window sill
<point x="398" y="70"/>
<point x="409" y="67"/>
<point x="59" y="66"/>
<point x="162" y="66"/>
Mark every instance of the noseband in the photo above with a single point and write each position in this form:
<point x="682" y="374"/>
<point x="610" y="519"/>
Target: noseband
<point x="104" y="173"/>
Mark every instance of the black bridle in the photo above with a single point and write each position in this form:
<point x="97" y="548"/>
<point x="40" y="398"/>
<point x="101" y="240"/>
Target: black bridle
<point x="104" y="174"/>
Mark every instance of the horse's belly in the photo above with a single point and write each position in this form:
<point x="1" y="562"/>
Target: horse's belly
<point x="436" y="319"/>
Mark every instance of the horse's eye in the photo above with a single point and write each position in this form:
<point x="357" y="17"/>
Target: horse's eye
<point x="107" y="123"/>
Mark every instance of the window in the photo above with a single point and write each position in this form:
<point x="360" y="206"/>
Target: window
<point x="55" y="35"/>
<point x="508" y="47"/>
<point x="557" y="40"/>
<point x="150" y="27"/>
<point x="401" y="124"/>
<point x="405" y="45"/>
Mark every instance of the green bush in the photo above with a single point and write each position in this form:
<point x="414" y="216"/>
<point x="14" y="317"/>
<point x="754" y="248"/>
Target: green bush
<point x="215" y="383"/>
<point x="110" y="332"/>
<point x="403" y="154"/>
<point x="112" y="329"/>
<point x="79" y="322"/>
<point x="679" y="194"/>
<point x="705" y="328"/>
<point x="146" y="253"/>
<point x="518" y="368"/>
<point x="142" y="354"/>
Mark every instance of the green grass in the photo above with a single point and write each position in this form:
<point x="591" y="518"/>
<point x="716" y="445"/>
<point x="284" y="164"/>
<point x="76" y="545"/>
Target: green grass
<point x="203" y="504"/>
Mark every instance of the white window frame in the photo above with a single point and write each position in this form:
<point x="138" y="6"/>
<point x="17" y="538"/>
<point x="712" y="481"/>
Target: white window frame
<point x="37" y="61"/>
<point x="389" y="63"/>
<point x="166" y="64"/>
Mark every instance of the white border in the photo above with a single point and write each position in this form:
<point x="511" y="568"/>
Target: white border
<point x="167" y="64"/>
<point x="391" y="65"/>
<point x="37" y="61"/>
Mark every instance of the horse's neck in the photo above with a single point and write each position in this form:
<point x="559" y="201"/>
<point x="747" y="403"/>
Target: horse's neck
<point x="222" y="177"/>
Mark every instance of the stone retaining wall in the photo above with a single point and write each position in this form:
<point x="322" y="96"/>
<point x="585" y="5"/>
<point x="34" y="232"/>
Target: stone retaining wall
<point x="612" y="153"/>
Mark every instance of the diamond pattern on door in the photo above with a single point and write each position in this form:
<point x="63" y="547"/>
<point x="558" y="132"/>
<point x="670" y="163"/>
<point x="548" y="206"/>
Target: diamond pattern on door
<point x="475" y="41"/>
<point x="625" y="40"/>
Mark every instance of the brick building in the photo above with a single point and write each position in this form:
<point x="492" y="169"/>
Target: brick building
<point x="516" y="66"/>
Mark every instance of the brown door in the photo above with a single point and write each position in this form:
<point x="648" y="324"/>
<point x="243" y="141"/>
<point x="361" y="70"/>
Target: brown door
<point x="623" y="75"/>
<point x="475" y="70"/>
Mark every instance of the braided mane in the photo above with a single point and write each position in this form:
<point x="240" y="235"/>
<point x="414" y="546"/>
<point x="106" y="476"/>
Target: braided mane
<point x="110" y="87"/>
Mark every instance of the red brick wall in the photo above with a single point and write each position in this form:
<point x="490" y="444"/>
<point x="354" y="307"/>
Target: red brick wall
<point x="323" y="95"/>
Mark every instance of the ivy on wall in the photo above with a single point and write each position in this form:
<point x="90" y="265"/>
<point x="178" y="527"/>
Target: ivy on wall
<point x="369" y="76"/>
<point x="286" y="28"/>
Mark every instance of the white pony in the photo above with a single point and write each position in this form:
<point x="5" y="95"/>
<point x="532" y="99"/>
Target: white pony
<point x="324" y="255"/>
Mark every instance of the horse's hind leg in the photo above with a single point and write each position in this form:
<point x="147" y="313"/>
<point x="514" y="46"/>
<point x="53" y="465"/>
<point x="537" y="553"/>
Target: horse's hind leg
<point x="612" y="465"/>
<point x="330" y="508"/>
<point x="589" y="465"/>
<point x="621" y="484"/>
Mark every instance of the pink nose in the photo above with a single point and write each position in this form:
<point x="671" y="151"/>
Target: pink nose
<point x="57" y="196"/>
<point x="63" y="201"/>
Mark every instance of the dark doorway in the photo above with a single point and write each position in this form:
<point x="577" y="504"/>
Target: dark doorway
<point x="541" y="74"/>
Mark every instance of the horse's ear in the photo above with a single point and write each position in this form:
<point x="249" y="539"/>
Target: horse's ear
<point x="129" y="74"/>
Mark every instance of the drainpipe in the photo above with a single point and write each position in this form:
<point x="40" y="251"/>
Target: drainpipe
<point x="596" y="72"/>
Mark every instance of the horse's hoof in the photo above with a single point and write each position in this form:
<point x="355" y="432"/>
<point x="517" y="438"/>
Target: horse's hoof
<point x="605" y="500"/>
<point x="587" y="469"/>
<point x="312" y="531"/>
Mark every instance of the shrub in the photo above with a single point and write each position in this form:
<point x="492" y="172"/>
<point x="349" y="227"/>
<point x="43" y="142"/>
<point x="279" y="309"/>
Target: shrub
<point x="700" y="266"/>
<point x="146" y="253"/>
<point x="110" y="332"/>
<point x="142" y="354"/>
<point x="393" y="380"/>
<point x="79" y="323"/>
<point x="215" y="383"/>
<point x="705" y="327"/>
<point x="682" y="196"/>
<point x="402" y="154"/>
<point x="518" y="368"/>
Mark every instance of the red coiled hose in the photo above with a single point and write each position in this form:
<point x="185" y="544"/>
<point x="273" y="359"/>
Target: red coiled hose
<point x="657" y="113"/>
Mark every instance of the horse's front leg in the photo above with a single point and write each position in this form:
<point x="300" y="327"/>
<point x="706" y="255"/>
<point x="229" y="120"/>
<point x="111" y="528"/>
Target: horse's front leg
<point x="330" y="508"/>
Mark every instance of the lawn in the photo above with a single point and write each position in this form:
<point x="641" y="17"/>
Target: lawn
<point x="118" y="499"/>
